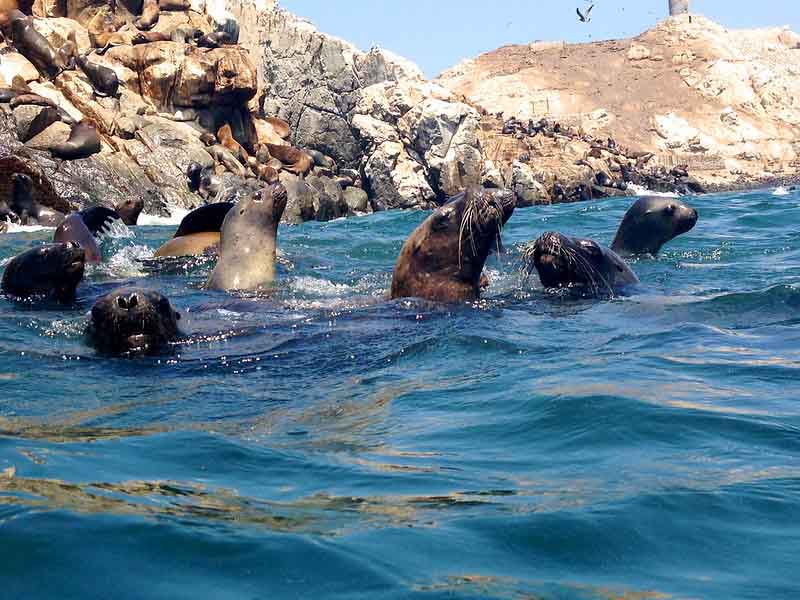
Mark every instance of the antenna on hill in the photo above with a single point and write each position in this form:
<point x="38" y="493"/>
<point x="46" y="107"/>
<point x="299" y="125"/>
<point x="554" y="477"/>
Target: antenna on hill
<point x="678" y="7"/>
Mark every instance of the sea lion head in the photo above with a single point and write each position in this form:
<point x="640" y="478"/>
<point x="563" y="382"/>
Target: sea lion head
<point x="52" y="270"/>
<point x="129" y="209"/>
<point x="652" y="222"/>
<point x="564" y="262"/>
<point x="22" y="200"/>
<point x="443" y="258"/>
<point x="133" y="321"/>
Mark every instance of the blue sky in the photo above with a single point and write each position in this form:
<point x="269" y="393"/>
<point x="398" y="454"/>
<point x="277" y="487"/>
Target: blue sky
<point x="437" y="34"/>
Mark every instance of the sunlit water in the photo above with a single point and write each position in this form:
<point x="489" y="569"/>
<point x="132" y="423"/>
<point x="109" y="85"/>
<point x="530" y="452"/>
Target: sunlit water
<point x="327" y="442"/>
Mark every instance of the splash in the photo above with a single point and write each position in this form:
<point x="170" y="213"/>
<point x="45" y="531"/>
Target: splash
<point x="175" y="217"/>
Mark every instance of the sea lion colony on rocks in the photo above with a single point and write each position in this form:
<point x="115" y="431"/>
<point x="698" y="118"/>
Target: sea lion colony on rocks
<point x="99" y="90"/>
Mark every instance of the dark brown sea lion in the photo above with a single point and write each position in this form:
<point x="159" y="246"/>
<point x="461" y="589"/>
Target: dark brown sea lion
<point x="129" y="209"/>
<point x="266" y="173"/>
<point x="652" y="222"/>
<point x="149" y="17"/>
<point x="73" y="229"/>
<point x="99" y="219"/>
<point x="34" y="46"/>
<point x="198" y="233"/>
<point x="202" y="181"/>
<point x="104" y="80"/>
<point x="32" y="99"/>
<point x="293" y="160"/>
<point x="577" y="263"/>
<point x="149" y="37"/>
<point x="174" y="5"/>
<point x="249" y="242"/>
<point x="131" y="321"/>
<point x="83" y="141"/>
<point x="26" y="208"/>
<point x="443" y="258"/>
<point x="215" y="39"/>
<point x="52" y="271"/>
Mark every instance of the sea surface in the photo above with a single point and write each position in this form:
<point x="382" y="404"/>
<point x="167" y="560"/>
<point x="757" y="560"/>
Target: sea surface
<point x="328" y="443"/>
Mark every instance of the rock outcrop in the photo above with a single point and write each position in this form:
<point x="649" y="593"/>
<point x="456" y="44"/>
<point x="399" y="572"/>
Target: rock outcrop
<point x="724" y="103"/>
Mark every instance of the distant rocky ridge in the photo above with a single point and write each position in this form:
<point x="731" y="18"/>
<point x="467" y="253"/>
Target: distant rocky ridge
<point x="377" y="133"/>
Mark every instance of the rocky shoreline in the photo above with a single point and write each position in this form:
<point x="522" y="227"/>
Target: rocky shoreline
<point x="244" y="92"/>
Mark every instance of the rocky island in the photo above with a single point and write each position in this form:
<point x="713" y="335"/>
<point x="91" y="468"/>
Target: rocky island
<point x="196" y="101"/>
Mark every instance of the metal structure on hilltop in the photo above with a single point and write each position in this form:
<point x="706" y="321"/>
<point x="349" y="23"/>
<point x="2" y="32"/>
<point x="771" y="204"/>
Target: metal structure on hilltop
<point x="678" y="7"/>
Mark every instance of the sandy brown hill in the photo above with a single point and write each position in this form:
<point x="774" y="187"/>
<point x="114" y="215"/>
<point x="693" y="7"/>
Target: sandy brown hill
<point x="724" y="102"/>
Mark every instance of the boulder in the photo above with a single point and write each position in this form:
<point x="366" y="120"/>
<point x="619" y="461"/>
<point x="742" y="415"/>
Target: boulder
<point x="395" y="180"/>
<point x="302" y="199"/>
<point x="330" y="204"/>
<point x="529" y="191"/>
<point x="357" y="200"/>
<point x="32" y="120"/>
<point x="12" y="65"/>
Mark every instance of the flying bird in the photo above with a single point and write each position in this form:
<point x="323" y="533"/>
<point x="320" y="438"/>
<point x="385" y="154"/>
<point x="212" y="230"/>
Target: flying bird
<point x="585" y="18"/>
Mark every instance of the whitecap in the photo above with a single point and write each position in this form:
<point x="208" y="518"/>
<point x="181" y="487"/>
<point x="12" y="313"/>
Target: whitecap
<point x="780" y="191"/>
<point x="641" y="190"/>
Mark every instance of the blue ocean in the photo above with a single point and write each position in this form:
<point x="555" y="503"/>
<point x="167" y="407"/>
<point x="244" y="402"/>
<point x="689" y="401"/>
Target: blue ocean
<point x="328" y="443"/>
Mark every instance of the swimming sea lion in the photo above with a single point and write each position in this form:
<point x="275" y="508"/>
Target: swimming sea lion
<point x="293" y="160"/>
<point x="34" y="46"/>
<point x="249" y="241"/>
<point x="99" y="219"/>
<point x="132" y="321"/>
<point x="583" y="264"/>
<point x="73" y="229"/>
<point x="149" y="17"/>
<point x="129" y="209"/>
<point x="650" y="223"/>
<point x="104" y="80"/>
<point x="50" y="271"/>
<point x="442" y="260"/>
<point x="83" y="141"/>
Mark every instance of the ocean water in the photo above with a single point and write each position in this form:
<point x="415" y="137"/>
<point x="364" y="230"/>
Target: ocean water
<point x="328" y="443"/>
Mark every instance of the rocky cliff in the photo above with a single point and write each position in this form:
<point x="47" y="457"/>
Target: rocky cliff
<point x="245" y="92"/>
<point x="725" y="103"/>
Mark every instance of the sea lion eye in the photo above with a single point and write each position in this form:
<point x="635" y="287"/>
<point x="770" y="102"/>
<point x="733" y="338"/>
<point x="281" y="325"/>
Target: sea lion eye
<point x="669" y="209"/>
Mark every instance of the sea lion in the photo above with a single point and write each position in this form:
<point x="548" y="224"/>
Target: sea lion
<point x="320" y="160"/>
<point x="73" y="229"/>
<point x="249" y="241"/>
<point x="68" y="53"/>
<point x="266" y="173"/>
<point x="29" y="211"/>
<point x="99" y="219"/>
<point x="293" y="160"/>
<point x="198" y="233"/>
<point x="129" y="209"/>
<point x="225" y="137"/>
<point x="578" y="263"/>
<point x="215" y="39"/>
<point x="185" y="35"/>
<point x="443" y="258"/>
<point x="202" y="181"/>
<point x="149" y="17"/>
<point x="132" y="321"/>
<point x="31" y="99"/>
<point x="652" y="222"/>
<point x="49" y="271"/>
<point x="34" y="46"/>
<point x="83" y="141"/>
<point x="174" y="5"/>
<point x="104" y="80"/>
<point x="149" y="37"/>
